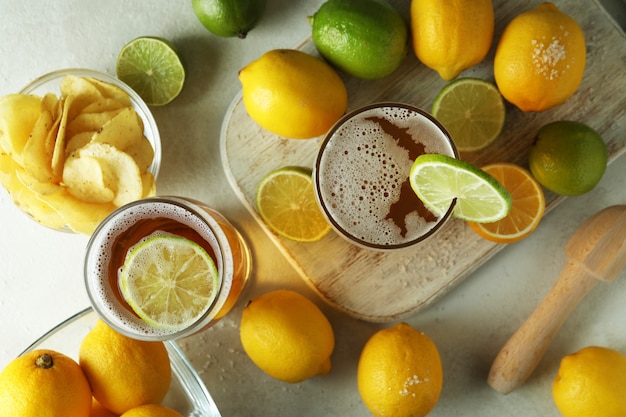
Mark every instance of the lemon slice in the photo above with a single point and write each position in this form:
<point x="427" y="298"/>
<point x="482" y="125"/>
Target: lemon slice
<point x="169" y="281"/>
<point x="439" y="180"/>
<point x="472" y="111"/>
<point x="286" y="202"/>
<point x="151" y="66"/>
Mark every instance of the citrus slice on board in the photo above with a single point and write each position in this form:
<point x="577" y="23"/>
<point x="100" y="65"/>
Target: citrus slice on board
<point x="287" y="203"/>
<point x="472" y="111"/>
<point x="151" y="66"/>
<point x="169" y="281"/>
<point x="439" y="180"/>
<point x="529" y="204"/>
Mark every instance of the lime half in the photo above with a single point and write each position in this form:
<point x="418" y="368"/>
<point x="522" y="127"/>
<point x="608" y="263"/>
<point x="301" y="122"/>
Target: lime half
<point x="472" y="111"/>
<point x="151" y="66"/>
<point x="439" y="179"/>
<point x="287" y="203"/>
<point x="169" y="281"/>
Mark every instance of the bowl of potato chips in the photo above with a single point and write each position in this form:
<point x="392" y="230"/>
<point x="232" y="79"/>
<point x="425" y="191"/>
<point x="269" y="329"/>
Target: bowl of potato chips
<point x="75" y="144"/>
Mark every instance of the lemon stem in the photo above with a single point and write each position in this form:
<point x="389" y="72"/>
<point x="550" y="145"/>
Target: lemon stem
<point x="44" y="361"/>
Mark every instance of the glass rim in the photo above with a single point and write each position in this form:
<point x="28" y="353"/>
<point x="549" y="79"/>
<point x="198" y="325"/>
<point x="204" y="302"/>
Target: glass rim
<point x="318" y="193"/>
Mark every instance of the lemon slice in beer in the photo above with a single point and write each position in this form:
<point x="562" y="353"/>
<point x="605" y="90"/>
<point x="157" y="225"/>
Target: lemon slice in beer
<point x="169" y="281"/>
<point x="438" y="180"/>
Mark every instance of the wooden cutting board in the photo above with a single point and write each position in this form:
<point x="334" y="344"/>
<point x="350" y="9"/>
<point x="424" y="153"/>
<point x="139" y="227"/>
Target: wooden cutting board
<point x="383" y="287"/>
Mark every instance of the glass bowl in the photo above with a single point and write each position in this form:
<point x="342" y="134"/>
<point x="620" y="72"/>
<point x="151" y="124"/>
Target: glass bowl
<point x="187" y="395"/>
<point x="51" y="82"/>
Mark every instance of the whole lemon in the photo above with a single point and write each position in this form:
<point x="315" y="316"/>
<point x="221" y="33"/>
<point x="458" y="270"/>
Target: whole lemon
<point x="591" y="383"/>
<point x="293" y="94"/>
<point x="365" y="39"/>
<point x="568" y="158"/>
<point x="540" y="58"/>
<point x="400" y="373"/>
<point x="453" y="35"/>
<point x="98" y="410"/>
<point x="44" y="383"/>
<point x="229" y="18"/>
<point x="151" y="410"/>
<point x="124" y="373"/>
<point x="287" y="336"/>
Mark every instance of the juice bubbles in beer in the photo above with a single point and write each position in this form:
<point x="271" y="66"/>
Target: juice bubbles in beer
<point x="129" y="225"/>
<point x="362" y="175"/>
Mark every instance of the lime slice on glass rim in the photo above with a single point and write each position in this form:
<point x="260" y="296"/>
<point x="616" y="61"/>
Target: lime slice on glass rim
<point x="286" y="201"/>
<point x="152" y="67"/>
<point x="472" y="111"/>
<point x="169" y="281"/>
<point x="439" y="180"/>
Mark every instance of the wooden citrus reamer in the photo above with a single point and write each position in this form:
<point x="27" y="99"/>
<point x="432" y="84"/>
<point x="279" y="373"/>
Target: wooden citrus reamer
<point x="596" y="252"/>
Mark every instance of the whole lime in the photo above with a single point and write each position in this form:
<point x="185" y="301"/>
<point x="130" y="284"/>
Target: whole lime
<point x="366" y="39"/>
<point x="568" y="158"/>
<point x="229" y="18"/>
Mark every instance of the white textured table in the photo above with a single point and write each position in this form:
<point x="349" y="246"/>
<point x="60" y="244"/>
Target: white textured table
<point x="41" y="270"/>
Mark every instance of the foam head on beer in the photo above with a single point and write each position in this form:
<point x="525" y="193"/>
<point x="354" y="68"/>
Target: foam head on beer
<point x="362" y="175"/>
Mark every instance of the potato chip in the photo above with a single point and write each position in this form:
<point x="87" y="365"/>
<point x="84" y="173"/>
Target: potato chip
<point x="85" y="179"/>
<point x="58" y="154"/>
<point x="82" y="91"/>
<point x="84" y="122"/>
<point x="109" y="90"/>
<point x="127" y="182"/>
<point x="149" y="186"/>
<point x="78" y="215"/>
<point x="142" y="153"/>
<point x="103" y="105"/>
<point x="122" y="131"/>
<point x="18" y="115"/>
<point x="37" y="159"/>
<point x="38" y="209"/>
<point x="37" y="187"/>
<point x="77" y="141"/>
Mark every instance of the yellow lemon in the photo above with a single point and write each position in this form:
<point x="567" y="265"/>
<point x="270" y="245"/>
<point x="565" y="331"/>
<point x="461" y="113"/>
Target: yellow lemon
<point x="451" y="36"/>
<point x="293" y="94"/>
<point x="124" y="373"/>
<point x="98" y="410"/>
<point x="287" y="336"/>
<point x="540" y="58"/>
<point x="591" y="383"/>
<point x="44" y="383"/>
<point x="400" y="373"/>
<point x="151" y="410"/>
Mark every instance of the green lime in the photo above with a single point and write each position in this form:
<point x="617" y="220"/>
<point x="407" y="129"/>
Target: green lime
<point x="287" y="203"/>
<point x="439" y="180"/>
<point x="152" y="67"/>
<point x="472" y="111"/>
<point x="169" y="281"/>
<point x="568" y="158"/>
<point x="229" y="18"/>
<point x="366" y="39"/>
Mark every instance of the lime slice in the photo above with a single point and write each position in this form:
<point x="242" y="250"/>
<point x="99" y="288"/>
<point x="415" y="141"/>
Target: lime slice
<point x="439" y="179"/>
<point x="286" y="201"/>
<point x="472" y="111"/>
<point x="169" y="281"/>
<point x="151" y="66"/>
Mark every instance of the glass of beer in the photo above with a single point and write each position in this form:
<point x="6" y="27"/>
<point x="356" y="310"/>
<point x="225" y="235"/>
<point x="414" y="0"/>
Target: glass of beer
<point x="128" y="226"/>
<point x="362" y="170"/>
